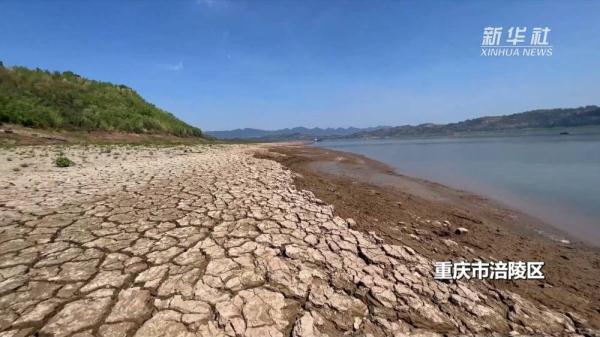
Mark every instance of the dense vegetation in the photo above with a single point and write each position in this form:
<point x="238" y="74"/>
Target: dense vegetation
<point x="54" y="100"/>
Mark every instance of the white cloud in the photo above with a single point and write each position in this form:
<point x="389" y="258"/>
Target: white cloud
<point x="174" y="67"/>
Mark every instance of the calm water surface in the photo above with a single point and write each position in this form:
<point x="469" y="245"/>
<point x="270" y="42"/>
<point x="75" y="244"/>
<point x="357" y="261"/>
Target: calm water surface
<point x="553" y="177"/>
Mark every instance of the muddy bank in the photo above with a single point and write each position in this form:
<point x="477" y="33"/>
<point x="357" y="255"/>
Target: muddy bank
<point x="404" y="210"/>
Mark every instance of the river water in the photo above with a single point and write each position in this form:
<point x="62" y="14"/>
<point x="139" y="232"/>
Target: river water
<point x="551" y="176"/>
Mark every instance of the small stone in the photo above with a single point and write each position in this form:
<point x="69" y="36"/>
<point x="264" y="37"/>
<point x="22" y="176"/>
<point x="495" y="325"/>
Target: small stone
<point x="450" y="243"/>
<point x="357" y="323"/>
<point x="461" y="231"/>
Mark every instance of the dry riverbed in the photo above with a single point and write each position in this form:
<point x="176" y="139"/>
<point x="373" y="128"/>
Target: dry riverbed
<point x="220" y="241"/>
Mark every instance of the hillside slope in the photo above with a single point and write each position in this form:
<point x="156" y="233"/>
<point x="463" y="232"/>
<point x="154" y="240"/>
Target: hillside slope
<point x="55" y="100"/>
<point x="543" y="118"/>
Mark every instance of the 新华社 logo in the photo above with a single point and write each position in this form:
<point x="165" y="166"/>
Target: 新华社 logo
<point x="516" y="41"/>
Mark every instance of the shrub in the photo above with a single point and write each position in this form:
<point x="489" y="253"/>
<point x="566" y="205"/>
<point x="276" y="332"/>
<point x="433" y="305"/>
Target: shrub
<point x="63" y="161"/>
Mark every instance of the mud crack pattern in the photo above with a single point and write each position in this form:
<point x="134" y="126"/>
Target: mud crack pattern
<point x="210" y="241"/>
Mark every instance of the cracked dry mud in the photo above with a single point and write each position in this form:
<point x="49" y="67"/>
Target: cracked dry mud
<point x="210" y="241"/>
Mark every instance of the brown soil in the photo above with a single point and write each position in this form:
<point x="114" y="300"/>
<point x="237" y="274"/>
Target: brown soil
<point x="404" y="210"/>
<point x="18" y="135"/>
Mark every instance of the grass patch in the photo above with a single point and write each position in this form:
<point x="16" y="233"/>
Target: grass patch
<point x="63" y="161"/>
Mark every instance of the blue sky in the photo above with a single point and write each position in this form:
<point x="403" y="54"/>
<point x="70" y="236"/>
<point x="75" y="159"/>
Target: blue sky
<point x="223" y="64"/>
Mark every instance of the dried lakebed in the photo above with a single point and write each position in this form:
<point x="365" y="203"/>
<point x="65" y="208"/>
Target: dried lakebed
<point x="211" y="241"/>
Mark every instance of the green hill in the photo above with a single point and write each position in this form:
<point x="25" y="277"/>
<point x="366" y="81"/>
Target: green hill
<point x="55" y="100"/>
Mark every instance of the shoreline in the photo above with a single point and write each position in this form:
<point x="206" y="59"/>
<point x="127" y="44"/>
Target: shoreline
<point x="414" y="212"/>
<point x="529" y="223"/>
<point x="558" y="194"/>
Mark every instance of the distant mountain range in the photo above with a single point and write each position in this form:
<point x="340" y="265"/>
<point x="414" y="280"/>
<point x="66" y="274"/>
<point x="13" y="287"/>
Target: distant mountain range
<point x="299" y="133"/>
<point x="542" y="118"/>
<point x="535" y="119"/>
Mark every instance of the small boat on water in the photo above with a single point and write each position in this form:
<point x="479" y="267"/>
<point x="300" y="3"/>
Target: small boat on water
<point x="564" y="133"/>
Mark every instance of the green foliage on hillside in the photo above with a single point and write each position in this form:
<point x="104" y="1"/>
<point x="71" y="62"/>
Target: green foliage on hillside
<point x="54" y="100"/>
